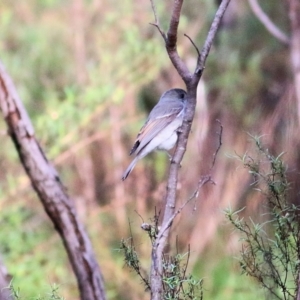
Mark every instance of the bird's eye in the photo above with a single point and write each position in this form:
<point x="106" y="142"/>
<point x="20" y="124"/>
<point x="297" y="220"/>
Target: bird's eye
<point x="182" y="96"/>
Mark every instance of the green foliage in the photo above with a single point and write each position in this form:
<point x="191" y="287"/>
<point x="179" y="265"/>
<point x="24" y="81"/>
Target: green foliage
<point x="53" y="294"/>
<point x="176" y="283"/>
<point x="25" y="247"/>
<point x="132" y="260"/>
<point x="270" y="251"/>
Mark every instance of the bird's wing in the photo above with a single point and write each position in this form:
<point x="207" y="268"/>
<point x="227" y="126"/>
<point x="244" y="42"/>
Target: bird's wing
<point x="154" y="125"/>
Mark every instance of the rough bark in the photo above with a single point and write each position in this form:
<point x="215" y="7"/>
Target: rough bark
<point x="51" y="192"/>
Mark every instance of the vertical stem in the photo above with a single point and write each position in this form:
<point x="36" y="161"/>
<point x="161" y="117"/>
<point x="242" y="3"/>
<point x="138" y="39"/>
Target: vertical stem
<point x="191" y="81"/>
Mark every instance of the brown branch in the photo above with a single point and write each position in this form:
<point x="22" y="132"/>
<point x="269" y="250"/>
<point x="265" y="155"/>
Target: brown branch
<point x="266" y="21"/>
<point x="192" y="42"/>
<point x="171" y="39"/>
<point x="51" y="192"/>
<point x="174" y="23"/>
<point x="191" y="81"/>
<point x="204" y="179"/>
<point x="156" y="24"/>
<point x="210" y="37"/>
<point x="171" y="42"/>
<point x="167" y="225"/>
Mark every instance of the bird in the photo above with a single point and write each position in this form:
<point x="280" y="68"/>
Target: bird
<point x="160" y="131"/>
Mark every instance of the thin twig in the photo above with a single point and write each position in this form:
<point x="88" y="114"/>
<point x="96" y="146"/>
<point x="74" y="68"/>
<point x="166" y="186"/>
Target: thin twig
<point x="51" y="192"/>
<point x="154" y="12"/>
<point x="205" y="179"/>
<point x="210" y="37"/>
<point x="266" y="21"/>
<point x="195" y="46"/>
<point x="139" y="270"/>
<point x="174" y="23"/>
<point x="171" y="39"/>
<point x="219" y="146"/>
<point x="156" y="24"/>
<point x="160" y="30"/>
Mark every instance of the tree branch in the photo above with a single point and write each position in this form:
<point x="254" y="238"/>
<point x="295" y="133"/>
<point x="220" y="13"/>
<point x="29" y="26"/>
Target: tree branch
<point x="269" y="25"/>
<point x="171" y="42"/>
<point x="156" y="24"/>
<point x="210" y="37"/>
<point x="51" y="192"/>
<point x="192" y="42"/>
<point x="191" y="81"/>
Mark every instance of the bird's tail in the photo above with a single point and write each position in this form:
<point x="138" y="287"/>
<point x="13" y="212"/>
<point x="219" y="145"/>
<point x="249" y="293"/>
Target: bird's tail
<point x="129" y="169"/>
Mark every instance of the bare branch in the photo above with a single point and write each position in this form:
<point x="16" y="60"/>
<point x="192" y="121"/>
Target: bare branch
<point x="174" y="23"/>
<point x="156" y="24"/>
<point x="210" y="37"/>
<point x="195" y="46"/>
<point x="160" y="30"/>
<point x="171" y="39"/>
<point x="191" y="81"/>
<point x="269" y="25"/>
<point x="201" y="183"/>
<point x="171" y="43"/>
<point x="52" y="193"/>
<point x="204" y="179"/>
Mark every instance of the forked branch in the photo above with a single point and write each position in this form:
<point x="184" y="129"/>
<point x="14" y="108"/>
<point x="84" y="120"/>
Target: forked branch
<point x="191" y="81"/>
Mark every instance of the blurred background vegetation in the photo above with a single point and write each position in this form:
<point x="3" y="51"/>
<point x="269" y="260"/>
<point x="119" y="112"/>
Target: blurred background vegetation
<point x="88" y="72"/>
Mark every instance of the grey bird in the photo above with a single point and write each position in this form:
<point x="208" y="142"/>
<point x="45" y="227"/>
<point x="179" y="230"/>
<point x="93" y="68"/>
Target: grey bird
<point x="160" y="130"/>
